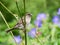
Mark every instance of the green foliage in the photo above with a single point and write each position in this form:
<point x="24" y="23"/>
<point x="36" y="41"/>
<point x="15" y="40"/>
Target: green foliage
<point x="35" y="7"/>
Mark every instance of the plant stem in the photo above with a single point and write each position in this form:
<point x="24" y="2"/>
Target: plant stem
<point x="7" y="9"/>
<point x="19" y="12"/>
<point x="7" y="26"/>
<point x="25" y="22"/>
<point x="4" y="20"/>
<point x="24" y="6"/>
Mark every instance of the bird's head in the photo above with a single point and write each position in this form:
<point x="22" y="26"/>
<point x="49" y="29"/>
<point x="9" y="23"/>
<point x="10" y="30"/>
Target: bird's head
<point x="28" y="14"/>
<point x="28" y="17"/>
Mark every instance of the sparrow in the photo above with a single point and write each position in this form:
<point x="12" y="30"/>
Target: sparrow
<point x="19" y="24"/>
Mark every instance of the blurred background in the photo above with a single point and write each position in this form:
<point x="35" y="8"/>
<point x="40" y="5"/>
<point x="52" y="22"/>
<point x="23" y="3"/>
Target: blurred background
<point x="48" y="33"/>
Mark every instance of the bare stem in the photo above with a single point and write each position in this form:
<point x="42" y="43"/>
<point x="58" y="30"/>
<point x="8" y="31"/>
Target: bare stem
<point x="19" y="12"/>
<point x="25" y="22"/>
<point x="7" y="26"/>
<point x="7" y="9"/>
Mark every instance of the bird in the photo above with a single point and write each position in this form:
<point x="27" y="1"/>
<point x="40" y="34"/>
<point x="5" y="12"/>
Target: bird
<point x="19" y="24"/>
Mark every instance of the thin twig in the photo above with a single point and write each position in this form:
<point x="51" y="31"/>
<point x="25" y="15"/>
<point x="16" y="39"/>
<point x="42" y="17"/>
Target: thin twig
<point x="7" y="9"/>
<point x="4" y="20"/>
<point x="25" y="22"/>
<point x="7" y="26"/>
<point x="19" y="12"/>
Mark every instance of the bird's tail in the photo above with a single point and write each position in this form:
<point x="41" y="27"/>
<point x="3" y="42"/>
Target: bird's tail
<point x="13" y="29"/>
<point x="10" y="30"/>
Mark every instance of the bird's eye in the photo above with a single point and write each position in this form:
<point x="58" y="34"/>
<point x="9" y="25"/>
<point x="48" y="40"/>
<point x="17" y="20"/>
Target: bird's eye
<point x="30" y="14"/>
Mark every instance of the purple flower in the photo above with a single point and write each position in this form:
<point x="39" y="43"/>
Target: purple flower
<point x="38" y="23"/>
<point x="39" y="19"/>
<point x="18" y="39"/>
<point x="58" y="11"/>
<point x="32" y="33"/>
<point x="41" y="16"/>
<point x="56" y="20"/>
